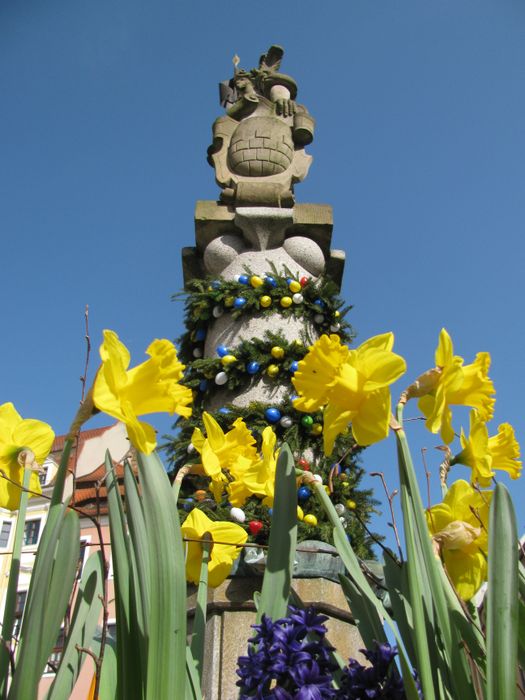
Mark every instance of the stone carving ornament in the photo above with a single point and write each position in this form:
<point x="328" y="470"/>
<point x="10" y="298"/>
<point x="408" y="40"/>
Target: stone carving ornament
<point x="258" y="145"/>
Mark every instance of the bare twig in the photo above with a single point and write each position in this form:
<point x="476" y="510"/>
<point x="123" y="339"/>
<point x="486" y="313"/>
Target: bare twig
<point x="390" y="497"/>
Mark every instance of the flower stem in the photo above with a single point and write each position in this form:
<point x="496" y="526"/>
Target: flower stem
<point x="199" y="621"/>
<point x="6" y="649"/>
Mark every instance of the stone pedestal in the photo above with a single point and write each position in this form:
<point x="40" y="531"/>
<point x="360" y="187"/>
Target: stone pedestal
<point x="231" y="612"/>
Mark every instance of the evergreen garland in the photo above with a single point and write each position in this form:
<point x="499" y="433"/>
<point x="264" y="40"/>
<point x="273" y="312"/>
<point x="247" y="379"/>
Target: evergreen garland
<point x="275" y="359"/>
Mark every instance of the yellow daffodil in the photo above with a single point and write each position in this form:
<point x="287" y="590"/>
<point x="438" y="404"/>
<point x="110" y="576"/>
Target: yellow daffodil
<point x="18" y="434"/>
<point x="483" y="454"/>
<point x="220" y="452"/>
<point x="151" y="387"/>
<point x="452" y="383"/>
<point x="226" y="540"/>
<point x="352" y="385"/>
<point x="256" y="477"/>
<point x="459" y="531"/>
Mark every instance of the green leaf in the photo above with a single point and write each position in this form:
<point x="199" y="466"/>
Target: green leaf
<point x="364" y="612"/>
<point x="84" y="621"/>
<point x="277" y="580"/>
<point x="502" y="598"/>
<point x="199" y="620"/>
<point x="167" y="638"/>
<point x="51" y="585"/>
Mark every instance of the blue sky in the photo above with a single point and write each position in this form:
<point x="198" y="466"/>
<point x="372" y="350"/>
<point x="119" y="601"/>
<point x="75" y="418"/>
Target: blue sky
<point x="106" y="115"/>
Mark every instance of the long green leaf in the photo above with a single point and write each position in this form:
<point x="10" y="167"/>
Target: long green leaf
<point x="502" y="598"/>
<point x="167" y="639"/>
<point x="129" y="661"/>
<point x="12" y="586"/>
<point x="201" y="607"/>
<point x="84" y="621"/>
<point x="351" y="563"/>
<point x="364" y="612"/>
<point x="277" y="580"/>
<point x="52" y="586"/>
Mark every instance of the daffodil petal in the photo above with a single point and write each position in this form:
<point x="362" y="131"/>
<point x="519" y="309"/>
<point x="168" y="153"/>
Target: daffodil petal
<point x="370" y="424"/>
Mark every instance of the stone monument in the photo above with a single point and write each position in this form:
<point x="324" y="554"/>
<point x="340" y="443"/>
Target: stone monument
<point x="255" y="227"/>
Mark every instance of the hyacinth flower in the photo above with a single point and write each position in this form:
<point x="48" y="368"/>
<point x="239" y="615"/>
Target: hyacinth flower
<point x="380" y="679"/>
<point x="450" y="383"/>
<point x="151" y="387"/>
<point x="484" y="454"/>
<point x="17" y="436"/>
<point x="459" y="529"/>
<point x="288" y="659"/>
<point x="225" y="537"/>
<point x="351" y="385"/>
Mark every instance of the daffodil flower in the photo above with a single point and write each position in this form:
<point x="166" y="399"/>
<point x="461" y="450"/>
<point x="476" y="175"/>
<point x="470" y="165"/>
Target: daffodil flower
<point x="220" y="452"/>
<point x="151" y="387"/>
<point x="452" y="383"/>
<point x="256" y="477"/>
<point x="352" y="385"/>
<point x="16" y="435"/>
<point x="483" y="454"/>
<point x="226" y="539"/>
<point x="459" y="531"/>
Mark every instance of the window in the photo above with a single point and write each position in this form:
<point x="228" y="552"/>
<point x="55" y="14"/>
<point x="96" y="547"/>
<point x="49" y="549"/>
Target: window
<point x="42" y="476"/>
<point x="31" y="532"/>
<point x="84" y="544"/>
<point x="56" y="655"/>
<point x="19" y="611"/>
<point x="5" y="531"/>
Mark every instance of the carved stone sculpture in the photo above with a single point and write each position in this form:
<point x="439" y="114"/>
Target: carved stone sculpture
<point x="258" y="145"/>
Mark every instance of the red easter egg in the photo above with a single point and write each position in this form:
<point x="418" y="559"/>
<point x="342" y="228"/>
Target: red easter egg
<point x="255" y="526"/>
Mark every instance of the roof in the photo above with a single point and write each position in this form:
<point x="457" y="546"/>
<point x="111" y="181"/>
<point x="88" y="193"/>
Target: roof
<point x="60" y="440"/>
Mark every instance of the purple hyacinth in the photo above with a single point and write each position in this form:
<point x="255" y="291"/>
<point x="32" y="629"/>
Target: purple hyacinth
<point x="288" y="659"/>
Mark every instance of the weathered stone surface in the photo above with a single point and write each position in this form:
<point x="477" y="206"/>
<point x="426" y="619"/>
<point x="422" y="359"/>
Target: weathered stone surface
<point x="231" y="612"/>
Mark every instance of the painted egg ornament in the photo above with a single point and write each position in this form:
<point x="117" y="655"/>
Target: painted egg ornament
<point x="318" y="478"/>
<point x="303" y="493"/>
<point x="310" y="519"/>
<point x="307" y="421"/>
<point x="203" y="385"/>
<point x="253" y="367"/>
<point x="277" y="352"/>
<point x="197" y="352"/>
<point x="238" y="515"/>
<point x="286" y="302"/>
<point x="335" y="327"/>
<point x="199" y="495"/>
<point x="272" y="370"/>
<point x="228" y="301"/>
<point x="221" y="350"/>
<point x="217" y="311"/>
<point x="188" y="505"/>
<point x="224" y="410"/>
<point x="243" y="279"/>
<point x="303" y="281"/>
<point x="190" y="449"/>
<point x="300" y="513"/>
<point x="286" y="422"/>
<point x="297" y="298"/>
<point x="272" y="415"/>
<point x="255" y="526"/>
<point x="215" y="284"/>
<point x="294" y="286"/>
<point x="339" y="508"/>
<point x="303" y="464"/>
<point x="270" y="281"/>
<point x="265" y="301"/>
<point x="352" y="505"/>
<point x="228" y="360"/>
<point x="221" y="378"/>
<point x="256" y="281"/>
<point x="294" y="366"/>
<point x="200" y="334"/>
<point x="318" y="318"/>
<point x="239" y="302"/>
<point x="317" y="429"/>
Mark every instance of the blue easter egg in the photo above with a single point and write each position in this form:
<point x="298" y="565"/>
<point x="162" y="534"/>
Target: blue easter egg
<point x="203" y="385"/>
<point x="270" y="512"/>
<point x="271" y="282"/>
<point x="224" y="410"/>
<point x="239" y="302"/>
<point x="215" y="284"/>
<point x="244" y="279"/>
<point x="320" y="303"/>
<point x="294" y="366"/>
<point x="253" y="367"/>
<point x="189" y="504"/>
<point x="222" y="350"/>
<point x="200" y="334"/>
<point x="272" y="415"/>
<point x="303" y="493"/>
